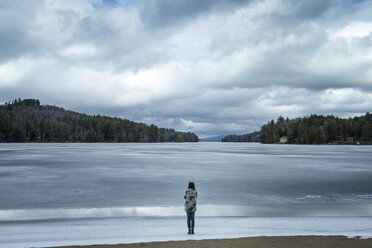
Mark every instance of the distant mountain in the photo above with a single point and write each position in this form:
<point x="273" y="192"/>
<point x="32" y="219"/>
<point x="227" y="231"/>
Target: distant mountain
<point x="28" y="121"/>
<point x="213" y="138"/>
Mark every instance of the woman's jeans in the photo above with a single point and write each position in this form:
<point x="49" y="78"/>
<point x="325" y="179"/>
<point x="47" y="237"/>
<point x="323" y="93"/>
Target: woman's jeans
<point x="190" y="220"/>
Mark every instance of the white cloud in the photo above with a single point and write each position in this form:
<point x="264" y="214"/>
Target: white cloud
<point x="9" y="74"/>
<point x="78" y="50"/>
<point x="349" y="98"/>
<point x="191" y="125"/>
<point x="355" y="29"/>
<point x="226" y="68"/>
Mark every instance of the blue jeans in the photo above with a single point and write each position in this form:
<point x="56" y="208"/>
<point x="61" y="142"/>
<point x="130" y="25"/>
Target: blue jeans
<point x="190" y="220"/>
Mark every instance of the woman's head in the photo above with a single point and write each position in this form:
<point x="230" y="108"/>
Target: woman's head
<point x="191" y="185"/>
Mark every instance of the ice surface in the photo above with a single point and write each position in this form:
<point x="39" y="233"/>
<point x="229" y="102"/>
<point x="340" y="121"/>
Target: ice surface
<point x="115" y="175"/>
<point x="145" y="229"/>
<point x="60" y="194"/>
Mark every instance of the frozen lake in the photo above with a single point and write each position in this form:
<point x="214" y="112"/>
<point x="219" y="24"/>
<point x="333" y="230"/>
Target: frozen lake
<point x="59" y="194"/>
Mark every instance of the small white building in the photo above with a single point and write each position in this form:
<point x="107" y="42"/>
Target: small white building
<point x="283" y="139"/>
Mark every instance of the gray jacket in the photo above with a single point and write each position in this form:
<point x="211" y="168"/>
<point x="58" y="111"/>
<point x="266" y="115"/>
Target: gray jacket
<point x="190" y="200"/>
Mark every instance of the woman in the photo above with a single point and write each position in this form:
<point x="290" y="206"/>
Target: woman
<point x="190" y="206"/>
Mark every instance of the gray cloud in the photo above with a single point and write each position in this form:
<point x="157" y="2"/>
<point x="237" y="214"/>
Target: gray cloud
<point x="15" y="37"/>
<point x="211" y="67"/>
<point x="305" y="10"/>
<point x="167" y="13"/>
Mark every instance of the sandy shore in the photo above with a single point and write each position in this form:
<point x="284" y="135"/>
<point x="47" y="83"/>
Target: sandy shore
<point x="256" y="242"/>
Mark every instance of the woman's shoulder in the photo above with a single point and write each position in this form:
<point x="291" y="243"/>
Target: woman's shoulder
<point x="191" y="191"/>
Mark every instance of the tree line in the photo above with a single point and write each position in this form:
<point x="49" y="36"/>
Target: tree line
<point x="315" y="129"/>
<point x="251" y="137"/>
<point x="28" y="121"/>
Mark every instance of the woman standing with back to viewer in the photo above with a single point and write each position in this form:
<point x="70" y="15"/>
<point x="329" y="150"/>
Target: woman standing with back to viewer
<point x="190" y="206"/>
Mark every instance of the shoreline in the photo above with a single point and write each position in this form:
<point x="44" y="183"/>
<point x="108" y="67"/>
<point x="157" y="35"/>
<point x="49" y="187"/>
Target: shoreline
<point x="110" y="231"/>
<point x="257" y="242"/>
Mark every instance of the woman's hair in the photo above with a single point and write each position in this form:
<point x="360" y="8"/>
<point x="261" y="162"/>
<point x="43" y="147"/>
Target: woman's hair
<point x="192" y="185"/>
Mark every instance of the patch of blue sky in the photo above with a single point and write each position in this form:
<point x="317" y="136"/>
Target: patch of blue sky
<point x="191" y="62"/>
<point x="171" y="46"/>
<point x="354" y="1"/>
<point x="359" y="12"/>
<point x="114" y="3"/>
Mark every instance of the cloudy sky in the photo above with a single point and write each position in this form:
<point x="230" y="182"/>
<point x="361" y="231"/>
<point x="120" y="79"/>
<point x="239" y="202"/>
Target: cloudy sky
<point x="211" y="67"/>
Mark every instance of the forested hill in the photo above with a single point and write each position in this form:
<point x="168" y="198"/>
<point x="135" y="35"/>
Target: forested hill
<point x="251" y="137"/>
<point x="315" y="129"/>
<point x="28" y="121"/>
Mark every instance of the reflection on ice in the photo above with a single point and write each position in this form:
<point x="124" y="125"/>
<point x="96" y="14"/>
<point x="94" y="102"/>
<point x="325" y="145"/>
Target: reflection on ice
<point x="262" y="210"/>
